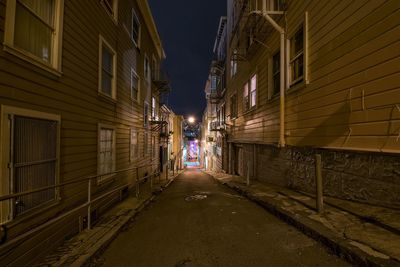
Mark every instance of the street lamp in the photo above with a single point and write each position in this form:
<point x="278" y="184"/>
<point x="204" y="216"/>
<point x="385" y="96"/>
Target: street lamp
<point x="191" y="119"/>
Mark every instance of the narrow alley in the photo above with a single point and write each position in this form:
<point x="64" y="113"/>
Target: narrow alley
<point x="197" y="222"/>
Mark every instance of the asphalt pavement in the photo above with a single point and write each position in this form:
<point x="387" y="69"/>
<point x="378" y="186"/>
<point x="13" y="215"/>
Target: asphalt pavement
<point x="198" y="222"/>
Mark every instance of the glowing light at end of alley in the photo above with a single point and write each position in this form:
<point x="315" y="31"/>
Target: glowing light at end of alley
<point x="191" y="119"/>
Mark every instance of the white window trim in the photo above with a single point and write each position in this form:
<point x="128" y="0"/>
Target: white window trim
<point x="271" y="73"/>
<point x="305" y="79"/>
<point x="4" y="170"/>
<point x="113" y="16"/>
<point x="114" y="81"/>
<point x="55" y="67"/>
<point x="132" y="159"/>
<point x="256" y="91"/>
<point x="105" y="178"/>
<point x="134" y="15"/>
<point x="133" y="73"/>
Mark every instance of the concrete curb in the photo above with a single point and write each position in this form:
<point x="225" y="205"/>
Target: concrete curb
<point x="93" y="252"/>
<point x="338" y="245"/>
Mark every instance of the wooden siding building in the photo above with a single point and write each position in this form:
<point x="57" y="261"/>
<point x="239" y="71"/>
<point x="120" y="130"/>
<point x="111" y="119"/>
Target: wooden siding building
<point x="308" y="77"/>
<point x="77" y="94"/>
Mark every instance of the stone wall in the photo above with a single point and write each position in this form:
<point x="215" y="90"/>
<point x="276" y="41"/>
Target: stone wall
<point x="361" y="176"/>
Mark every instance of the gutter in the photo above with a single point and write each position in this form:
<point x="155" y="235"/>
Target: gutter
<point x="265" y="14"/>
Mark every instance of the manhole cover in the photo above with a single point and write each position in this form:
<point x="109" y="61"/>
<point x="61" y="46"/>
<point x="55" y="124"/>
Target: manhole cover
<point x="195" y="197"/>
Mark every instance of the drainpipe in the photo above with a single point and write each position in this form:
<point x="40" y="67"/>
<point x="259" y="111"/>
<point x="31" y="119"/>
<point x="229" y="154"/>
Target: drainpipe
<point x="281" y="31"/>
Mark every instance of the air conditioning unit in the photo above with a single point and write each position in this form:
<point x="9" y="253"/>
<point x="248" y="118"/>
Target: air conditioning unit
<point x="210" y="138"/>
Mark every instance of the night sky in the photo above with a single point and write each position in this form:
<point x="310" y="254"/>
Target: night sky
<point x="188" y="30"/>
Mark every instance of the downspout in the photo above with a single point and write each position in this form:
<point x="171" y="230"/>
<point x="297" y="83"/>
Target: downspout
<point x="281" y="31"/>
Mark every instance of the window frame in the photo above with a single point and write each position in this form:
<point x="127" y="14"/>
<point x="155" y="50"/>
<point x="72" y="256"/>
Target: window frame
<point x="274" y="74"/>
<point x="55" y="66"/>
<point x="114" y="7"/>
<point x="153" y="108"/>
<point x="294" y="57"/>
<point x="134" y="16"/>
<point x="113" y="95"/>
<point x="134" y="74"/>
<point x="133" y="153"/>
<point x="105" y="178"/>
<point x="5" y="111"/>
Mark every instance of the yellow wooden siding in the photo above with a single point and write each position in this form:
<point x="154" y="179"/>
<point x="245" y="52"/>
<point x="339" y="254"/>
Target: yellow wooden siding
<point x="74" y="96"/>
<point x="354" y="68"/>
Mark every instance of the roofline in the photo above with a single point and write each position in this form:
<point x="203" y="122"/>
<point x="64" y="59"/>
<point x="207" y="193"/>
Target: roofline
<point x="149" y="21"/>
<point x="222" y="20"/>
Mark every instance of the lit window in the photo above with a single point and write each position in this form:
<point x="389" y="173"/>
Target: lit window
<point x="153" y="108"/>
<point x="276" y="73"/>
<point x="253" y="91"/>
<point x="31" y="146"/>
<point x="135" y="32"/>
<point x="107" y="70"/>
<point x="134" y="147"/>
<point x="134" y="85"/>
<point x="234" y="63"/>
<point x="106" y="155"/>
<point x="34" y="31"/>
<point x="297" y="57"/>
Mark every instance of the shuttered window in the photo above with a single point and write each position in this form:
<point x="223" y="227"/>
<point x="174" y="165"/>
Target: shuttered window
<point x="134" y="85"/>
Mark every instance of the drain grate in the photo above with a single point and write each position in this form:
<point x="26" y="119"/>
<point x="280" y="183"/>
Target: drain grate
<point x="195" y="197"/>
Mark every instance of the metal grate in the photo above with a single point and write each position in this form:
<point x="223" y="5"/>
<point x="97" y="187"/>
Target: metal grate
<point x="34" y="160"/>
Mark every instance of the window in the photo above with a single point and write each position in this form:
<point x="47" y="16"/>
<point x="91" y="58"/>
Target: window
<point x="234" y="63"/>
<point x="250" y="93"/>
<point x="246" y="101"/>
<point x="107" y="69"/>
<point x="276" y="73"/>
<point x="145" y="144"/>
<point x="134" y="146"/>
<point x="146" y="115"/>
<point x="134" y="85"/>
<point x="253" y="91"/>
<point x="106" y="152"/>
<point x="30" y="150"/>
<point x="153" y="108"/>
<point x="297" y="57"/>
<point x="111" y="7"/>
<point x="33" y="31"/>
<point x="147" y="70"/>
<point x="135" y="32"/>
<point x="233" y="106"/>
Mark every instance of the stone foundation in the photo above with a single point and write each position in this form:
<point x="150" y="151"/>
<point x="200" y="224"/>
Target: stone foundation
<point x="361" y="176"/>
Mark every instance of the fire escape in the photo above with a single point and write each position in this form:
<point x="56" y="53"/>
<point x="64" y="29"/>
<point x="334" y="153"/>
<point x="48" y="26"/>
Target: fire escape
<point x="161" y="85"/>
<point x="251" y="28"/>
